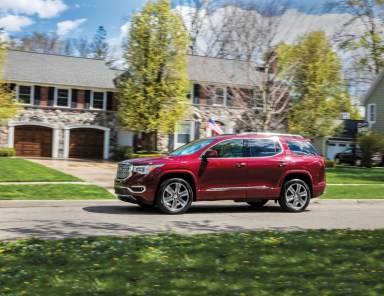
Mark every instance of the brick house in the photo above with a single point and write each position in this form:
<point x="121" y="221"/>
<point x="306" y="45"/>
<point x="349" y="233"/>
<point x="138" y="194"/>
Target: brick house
<point x="70" y="104"/>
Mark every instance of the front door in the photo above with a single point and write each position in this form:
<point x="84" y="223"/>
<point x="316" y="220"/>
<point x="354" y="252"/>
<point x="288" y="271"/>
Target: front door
<point x="224" y="176"/>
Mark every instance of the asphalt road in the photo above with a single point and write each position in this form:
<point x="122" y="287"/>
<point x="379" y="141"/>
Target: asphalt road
<point x="60" y="219"/>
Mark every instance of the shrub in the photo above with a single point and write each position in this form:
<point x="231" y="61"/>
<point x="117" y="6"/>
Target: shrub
<point x="329" y="163"/>
<point x="123" y="152"/>
<point x="7" y="152"/>
<point x="369" y="143"/>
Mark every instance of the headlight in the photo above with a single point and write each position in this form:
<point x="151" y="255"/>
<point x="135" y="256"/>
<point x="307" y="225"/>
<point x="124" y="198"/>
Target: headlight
<point x="146" y="169"/>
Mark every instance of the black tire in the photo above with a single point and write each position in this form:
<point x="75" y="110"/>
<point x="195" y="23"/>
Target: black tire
<point x="295" y="196"/>
<point x="258" y="203"/>
<point x="174" y="196"/>
<point x="337" y="160"/>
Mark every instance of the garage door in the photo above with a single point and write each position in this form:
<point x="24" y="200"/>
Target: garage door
<point x="86" y="143"/>
<point x="33" y="141"/>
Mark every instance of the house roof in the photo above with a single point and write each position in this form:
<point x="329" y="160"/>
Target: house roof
<point x="30" y="67"/>
<point x="222" y="71"/>
<point x="375" y="83"/>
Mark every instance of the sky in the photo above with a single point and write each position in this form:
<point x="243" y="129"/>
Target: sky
<point x="81" y="18"/>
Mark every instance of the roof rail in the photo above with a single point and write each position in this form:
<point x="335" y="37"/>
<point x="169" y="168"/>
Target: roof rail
<point x="272" y="134"/>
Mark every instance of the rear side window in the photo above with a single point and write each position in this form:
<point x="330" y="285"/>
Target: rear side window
<point x="263" y="147"/>
<point x="302" y="148"/>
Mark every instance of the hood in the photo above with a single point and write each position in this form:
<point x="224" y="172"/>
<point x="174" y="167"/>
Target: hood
<point x="151" y="160"/>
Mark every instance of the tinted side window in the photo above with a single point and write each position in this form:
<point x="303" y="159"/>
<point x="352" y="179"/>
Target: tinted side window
<point x="229" y="149"/>
<point x="263" y="147"/>
<point x="302" y="148"/>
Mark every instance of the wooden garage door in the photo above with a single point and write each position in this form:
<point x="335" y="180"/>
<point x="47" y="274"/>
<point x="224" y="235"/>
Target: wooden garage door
<point x="33" y="141"/>
<point x="86" y="143"/>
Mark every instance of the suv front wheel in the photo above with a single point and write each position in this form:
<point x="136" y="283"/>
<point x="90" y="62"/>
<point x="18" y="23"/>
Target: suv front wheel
<point x="174" y="196"/>
<point x="295" y="196"/>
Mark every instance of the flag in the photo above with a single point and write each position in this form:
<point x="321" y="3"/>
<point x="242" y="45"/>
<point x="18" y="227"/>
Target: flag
<point x="213" y="126"/>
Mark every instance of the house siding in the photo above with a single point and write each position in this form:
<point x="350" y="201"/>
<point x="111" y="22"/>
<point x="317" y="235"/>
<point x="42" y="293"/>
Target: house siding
<point x="377" y="97"/>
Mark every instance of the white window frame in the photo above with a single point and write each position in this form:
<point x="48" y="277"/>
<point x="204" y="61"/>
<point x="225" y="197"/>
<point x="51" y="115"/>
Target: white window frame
<point x="256" y="94"/>
<point x="371" y="114"/>
<point x="32" y="100"/>
<point x="224" y="89"/>
<point x="56" y="97"/>
<point x="104" y="100"/>
<point x="176" y="144"/>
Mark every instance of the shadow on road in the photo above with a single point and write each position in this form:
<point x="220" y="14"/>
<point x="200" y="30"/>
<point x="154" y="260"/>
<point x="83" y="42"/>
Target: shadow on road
<point x="195" y="209"/>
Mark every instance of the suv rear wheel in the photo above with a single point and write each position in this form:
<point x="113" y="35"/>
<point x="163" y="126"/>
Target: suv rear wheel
<point x="295" y="196"/>
<point x="174" y="196"/>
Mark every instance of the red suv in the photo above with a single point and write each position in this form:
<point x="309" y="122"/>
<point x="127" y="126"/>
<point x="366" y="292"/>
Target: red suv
<point x="249" y="167"/>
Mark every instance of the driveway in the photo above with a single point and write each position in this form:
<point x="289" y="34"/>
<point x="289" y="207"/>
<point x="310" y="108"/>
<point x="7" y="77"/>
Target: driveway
<point x="60" y="219"/>
<point x="101" y="173"/>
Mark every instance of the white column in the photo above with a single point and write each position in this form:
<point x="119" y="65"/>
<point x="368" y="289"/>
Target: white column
<point x="106" y="144"/>
<point x="55" y="143"/>
<point x="11" y="135"/>
<point x="66" y="142"/>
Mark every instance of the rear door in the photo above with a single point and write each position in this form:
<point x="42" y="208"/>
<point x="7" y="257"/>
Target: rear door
<point x="224" y="176"/>
<point x="267" y="165"/>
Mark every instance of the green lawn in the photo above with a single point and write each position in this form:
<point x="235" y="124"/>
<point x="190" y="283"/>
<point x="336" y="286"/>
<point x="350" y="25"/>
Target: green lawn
<point x="53" y="191"/>
<point x="316" y="262"/>
<point x="354" y="175"/>
<point x="21" y="170"/>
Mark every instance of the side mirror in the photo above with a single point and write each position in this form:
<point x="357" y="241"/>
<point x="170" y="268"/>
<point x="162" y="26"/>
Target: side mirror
<point x="210" y="154"/>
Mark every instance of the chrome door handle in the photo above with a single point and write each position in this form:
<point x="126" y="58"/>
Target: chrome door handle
<point x="282" y="164"/>
<point x="240" y="164"/>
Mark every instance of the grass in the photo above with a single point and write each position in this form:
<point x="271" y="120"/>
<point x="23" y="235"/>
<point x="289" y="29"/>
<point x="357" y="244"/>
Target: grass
<point x="53" y="192"/>
<point x="21" y="170"/>
<point x="354" y="175"/>
<point x="346" y="176"/>
<point x="315" y="262"/>
<point x="354" y="192"/>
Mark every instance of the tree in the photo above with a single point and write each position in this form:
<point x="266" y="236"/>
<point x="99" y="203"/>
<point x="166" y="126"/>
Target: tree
<point x="361" y="36"/>
<point x="319" y="95"/>
<point x="8" y="108"/>
<point x="369" y="143"/>
<point x="37" y="42"/>
<point x="99" y="45"/>
<point x="154" y="88"/>
<point x="247" y="31"/>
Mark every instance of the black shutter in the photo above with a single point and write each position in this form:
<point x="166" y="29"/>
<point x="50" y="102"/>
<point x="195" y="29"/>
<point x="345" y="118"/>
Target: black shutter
<point x="74" y="95"/>
<point x="37" y="95"/>
<point x="74" y="98"/>
<point x="171" y="140"/>
<point x="87" y="99"/>
<point x="197" y="130"/>
<point x="196" y="94"/>
<point x="12" y="86"/>
<point x="51" y="95"/>
<point x="109" y="100"/>
<point x="229" y="97"/>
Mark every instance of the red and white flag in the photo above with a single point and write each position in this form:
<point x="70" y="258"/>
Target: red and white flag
<point x="214" y="126"/>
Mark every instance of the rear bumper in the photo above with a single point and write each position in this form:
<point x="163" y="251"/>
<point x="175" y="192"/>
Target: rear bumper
<point x="319" y="189"/>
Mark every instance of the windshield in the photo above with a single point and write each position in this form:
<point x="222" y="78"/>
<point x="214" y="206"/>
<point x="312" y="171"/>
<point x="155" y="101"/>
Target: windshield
<point x="191" y="147"/>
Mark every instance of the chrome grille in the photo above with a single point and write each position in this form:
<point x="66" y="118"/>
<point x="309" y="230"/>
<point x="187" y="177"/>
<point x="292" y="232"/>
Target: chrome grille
<point x="124" y="170"/>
